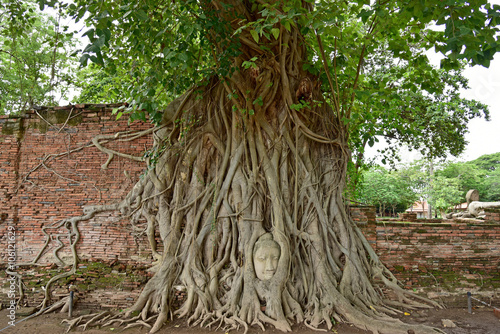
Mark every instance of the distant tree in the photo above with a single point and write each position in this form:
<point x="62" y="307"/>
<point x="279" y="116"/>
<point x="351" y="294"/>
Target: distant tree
<point x="372" y="192"/>
<point x="407" y="190"/>
<point x="492" y="186"/>
<point x="489" y="171"/>
<point x="489" y="162"/>
<point x="35" y="63"/>
<point x="467" y="175"/>
<point x="98" y="86"/>
<point x="443" y="190"/>
<point x="482" y="174"/>
<point x="387" y="189"/>
<point x="444" y="193"/>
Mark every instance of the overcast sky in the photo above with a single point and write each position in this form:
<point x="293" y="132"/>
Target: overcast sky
<point x="484" y="137"/>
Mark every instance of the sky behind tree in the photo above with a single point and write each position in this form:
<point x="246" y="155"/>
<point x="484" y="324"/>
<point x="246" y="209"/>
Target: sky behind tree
<point x="484" y="137"/>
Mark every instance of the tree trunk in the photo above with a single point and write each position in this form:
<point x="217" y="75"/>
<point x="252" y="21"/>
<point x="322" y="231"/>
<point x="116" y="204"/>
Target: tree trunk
<point x="258" y="154"/>
<point x="229" y="177"/>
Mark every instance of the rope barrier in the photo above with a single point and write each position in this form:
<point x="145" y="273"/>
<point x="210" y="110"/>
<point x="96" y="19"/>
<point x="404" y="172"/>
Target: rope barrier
<point x="489" y="305"/>
<point x="469" y="304"/>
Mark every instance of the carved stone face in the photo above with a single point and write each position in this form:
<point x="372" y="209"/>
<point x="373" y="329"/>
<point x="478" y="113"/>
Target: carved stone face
<point x="265" y="257"/>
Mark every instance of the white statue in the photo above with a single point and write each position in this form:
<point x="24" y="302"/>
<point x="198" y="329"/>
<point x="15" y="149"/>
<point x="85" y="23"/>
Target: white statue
<point x="266" y="254"/>
<point x="477" y="208"/>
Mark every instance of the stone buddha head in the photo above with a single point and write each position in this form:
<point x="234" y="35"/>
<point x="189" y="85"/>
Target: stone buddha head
<point x="266" y="254"/>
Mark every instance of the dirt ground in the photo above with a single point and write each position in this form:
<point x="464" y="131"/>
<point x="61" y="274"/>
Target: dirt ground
<point x="481" y="321"/>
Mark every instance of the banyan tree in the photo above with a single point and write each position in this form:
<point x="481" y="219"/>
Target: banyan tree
<point x="246" y="184"/>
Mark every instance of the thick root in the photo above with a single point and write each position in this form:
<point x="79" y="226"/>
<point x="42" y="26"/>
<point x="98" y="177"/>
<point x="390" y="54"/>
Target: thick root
<point x="222" y="180"/>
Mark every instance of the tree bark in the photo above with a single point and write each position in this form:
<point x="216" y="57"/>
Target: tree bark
<point x="259" y="152"/>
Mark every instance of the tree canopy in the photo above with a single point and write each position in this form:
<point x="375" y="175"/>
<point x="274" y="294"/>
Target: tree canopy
<point x="256" y="104"/>
<point x="370" y="61"/>
<point x="481" y="174"/>
<point x="396" y="189"/>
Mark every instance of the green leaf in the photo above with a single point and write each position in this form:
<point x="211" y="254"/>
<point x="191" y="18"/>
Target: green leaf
<point x="259" y="101"/>
<point x="255" y="35"/>
<point x="142" y="15"/>
<point x="365" y="14"/>
<point x="286" y="24"/>
<point x="275" y="32"/>
<point x="84" y="59"/>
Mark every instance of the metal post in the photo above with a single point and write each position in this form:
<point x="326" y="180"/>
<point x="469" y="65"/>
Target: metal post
<point x="70" y="308"/>
<point x="469" y="302"/>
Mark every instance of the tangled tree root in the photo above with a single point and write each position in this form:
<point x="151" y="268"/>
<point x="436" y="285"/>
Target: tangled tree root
<point x="221" y="177"/>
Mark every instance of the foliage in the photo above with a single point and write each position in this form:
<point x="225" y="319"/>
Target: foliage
<point x="168" y="47"/>
<point x="97" y="86"/>
<point x="414" y="105"/>
<point x="35" y="65"/>
<point x="398" y="95"/>
<point x="466" y="174"/>
<point x="492" y="185"/>
<point x="399" y="187"/>
<point x="444" y="193"/>
<point x="151" y="52"/>
<point x="488" y="162"/>
<point x="443" y="190"/>
<point x="379" y="78"/>
<point x="488" y="167"/>
<point x="16" y="18"/>
<point x="481" y="174"/>
<point x="258" y="143"/>
<point x="388" y="189"/>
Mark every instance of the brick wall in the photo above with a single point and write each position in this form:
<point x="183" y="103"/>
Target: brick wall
<point x="9" y="166"/>
<point x="365" y="217"/>
<point x="34" y="195"/>
<point x="362" y="214"/>
<point x="450" y="254"/>
<point x="492" y="214"/>
<point x="38" y="188"/>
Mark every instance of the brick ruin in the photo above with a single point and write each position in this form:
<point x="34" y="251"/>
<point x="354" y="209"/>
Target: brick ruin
<point x="49" y="171"/>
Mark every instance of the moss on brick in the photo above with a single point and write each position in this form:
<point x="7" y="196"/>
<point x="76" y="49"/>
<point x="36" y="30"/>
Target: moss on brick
<point x="108" y="279"/>
<point x="57" y="117"/>
<point x="13" y="127"/>
<point x="399" y="268"/>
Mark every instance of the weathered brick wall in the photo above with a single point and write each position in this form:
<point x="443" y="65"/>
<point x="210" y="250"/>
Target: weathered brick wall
<point x="492" y="214"/>
<point x="9" y="164"/>
<point x="365" y="216"/>
<point x="33" y="195"/>
<point x="50" y="172"/>
<point x="408" y="216"/>
<point x="449" y="254"/>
